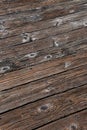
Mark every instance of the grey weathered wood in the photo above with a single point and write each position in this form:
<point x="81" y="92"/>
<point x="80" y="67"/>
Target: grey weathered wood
<point x="26" y="75"/>
<point x="48" y="15"/>
<point x="43" y="64"/>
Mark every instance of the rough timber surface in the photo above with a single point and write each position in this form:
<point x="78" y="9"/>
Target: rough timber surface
<point x="43" y="64"/>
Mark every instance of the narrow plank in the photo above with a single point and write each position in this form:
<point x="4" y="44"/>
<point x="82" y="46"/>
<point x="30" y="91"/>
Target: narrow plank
<point x="30" y="3"/>
<point x="42" y="70"/>
<point x="19" y="22"/>
<point x="58" y="30"/>
<point x="7" y="33"/>
<point x="76" y="121"/>
<point x="15" y="60"/>
<point x="49" y="45"/>
<point x="19" y="57"/>
<point x="44" y="111"/>
<point x="6" y="8"/>
<point x="21" y="95"/>
<point x="41" y="33"/>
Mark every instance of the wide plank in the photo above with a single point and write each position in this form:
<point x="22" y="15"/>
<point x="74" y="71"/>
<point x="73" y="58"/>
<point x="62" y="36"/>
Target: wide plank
<point x="12" y="24"/>
<point x="30" y="55"/>
<point x="42" y="70"/>
<point x="36" y="17"/>
<point x="31" y="92"/>
<point x="7" y="9"/>
<point x="73" y="122"/>
<point x="44" y="111"/>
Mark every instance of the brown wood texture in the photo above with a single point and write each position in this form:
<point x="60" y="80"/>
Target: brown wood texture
<point x="43" y="64"/>
<point x="46" y="110"/>
<point x="77" y="121"/>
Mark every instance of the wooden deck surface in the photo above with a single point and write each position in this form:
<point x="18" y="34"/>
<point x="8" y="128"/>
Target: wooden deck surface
<point x="43" y="64"/>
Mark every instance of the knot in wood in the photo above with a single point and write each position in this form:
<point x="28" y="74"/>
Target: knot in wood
<point x="73" y="126"/>
<point x="4" y="69"/>
<point x="31" y="55"/>
<point x="56" y="44"/>
<point x="48" y="57"/>
<point x="85" y="24"/>
<point x="58" y="22"/>
<point x="26" y="37"/>
<point x="67" y="64"/>
<point x="48" y="89"/>
<point x="2" y="28"/>
<point x="44" y="107"/>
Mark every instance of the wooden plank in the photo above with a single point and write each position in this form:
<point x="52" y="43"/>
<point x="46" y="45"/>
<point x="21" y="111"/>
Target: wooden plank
<point x="44" y="111"/>
<point x="42" y="70"/>
<point x="20" y="22"/>
<point x="29" y="55"/>
<point x="17" y="7"/>
<point x="76" y="121"/>
<point x="31" y="3"/>
<point x="16" y="54"/>
<point x="7" y="33"/>
<point x="43" y="64"/>
<point x="43" y="34"/>
<point x="18" y="96"/>
<point x="64" y="39"/>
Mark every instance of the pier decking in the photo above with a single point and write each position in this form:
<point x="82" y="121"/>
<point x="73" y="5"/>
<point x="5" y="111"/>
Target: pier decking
<point x="43" y="64"/>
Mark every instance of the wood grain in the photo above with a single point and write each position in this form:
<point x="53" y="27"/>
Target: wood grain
<point x="41" y="112"/>
<point x="40" y="71"/>
<point x="76" y="121"/>
<point x="36" y="17"/>
<point x="30" y="92"/>
<point x="43" y="64"/>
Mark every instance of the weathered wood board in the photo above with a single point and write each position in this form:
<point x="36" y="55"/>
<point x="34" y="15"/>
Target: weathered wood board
<point x="43" y="64"/>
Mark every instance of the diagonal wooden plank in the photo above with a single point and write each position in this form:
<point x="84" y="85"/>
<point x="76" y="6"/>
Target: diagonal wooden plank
<point x="44" y="111"/>
<point x="11" y="7"/>
<point x="63" y="40"/>
<point x="51" y="86"/>
<point x="20" y="22"/>
<point x="43" y="42"/>
<point x="18" y="25"/>
<point x="43" y="70"/>
<point x="23" y="94"/>
<point x="26" y="56"/>
<point x="36" y="17"/>
<point x="76" y="121"/>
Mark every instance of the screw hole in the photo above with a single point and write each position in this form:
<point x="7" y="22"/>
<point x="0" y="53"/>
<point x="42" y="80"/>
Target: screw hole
<point x="85" y="24"/>
<point x="31" y="55"/>
<point x="44" y="107"/>
<point x="48" y="57"/>
<point x="4" y="69"/>
<point x="73" y="127"/>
